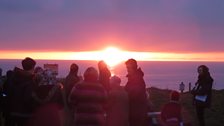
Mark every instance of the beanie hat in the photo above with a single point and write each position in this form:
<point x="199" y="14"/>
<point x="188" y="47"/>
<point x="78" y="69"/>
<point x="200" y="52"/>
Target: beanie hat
<point x="115" y="80"/>
<point x="175" y="96"/>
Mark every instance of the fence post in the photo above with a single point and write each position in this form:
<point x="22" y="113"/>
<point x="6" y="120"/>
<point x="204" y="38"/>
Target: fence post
<point x="190" y="87"/>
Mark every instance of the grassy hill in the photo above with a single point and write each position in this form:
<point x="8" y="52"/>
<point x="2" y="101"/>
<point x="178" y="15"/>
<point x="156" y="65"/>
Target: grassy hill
<point x="214" y="116"/>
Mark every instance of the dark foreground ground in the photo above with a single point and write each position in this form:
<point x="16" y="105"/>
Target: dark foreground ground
<point x="214" y="116"/>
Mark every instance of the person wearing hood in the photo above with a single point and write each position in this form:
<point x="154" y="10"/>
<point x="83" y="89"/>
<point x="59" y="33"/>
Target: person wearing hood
<point x="20" y="94"/>
<point x="136" y="89"/>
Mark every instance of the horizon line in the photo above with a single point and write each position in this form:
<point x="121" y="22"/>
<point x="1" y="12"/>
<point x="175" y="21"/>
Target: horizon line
<point x="118" y="55"/>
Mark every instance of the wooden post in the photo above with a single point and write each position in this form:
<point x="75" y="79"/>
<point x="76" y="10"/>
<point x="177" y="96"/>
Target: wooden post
<point x="190" y="87"/>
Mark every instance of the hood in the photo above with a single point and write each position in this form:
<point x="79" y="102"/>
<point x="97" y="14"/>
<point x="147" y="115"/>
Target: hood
<point x="138" y="72"/>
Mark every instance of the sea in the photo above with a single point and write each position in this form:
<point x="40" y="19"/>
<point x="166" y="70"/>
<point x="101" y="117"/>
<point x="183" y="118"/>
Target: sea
<point x="159" y="74"/>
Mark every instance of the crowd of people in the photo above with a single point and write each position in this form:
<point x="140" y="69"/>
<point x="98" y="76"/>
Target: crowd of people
<point x="31" y="97"/>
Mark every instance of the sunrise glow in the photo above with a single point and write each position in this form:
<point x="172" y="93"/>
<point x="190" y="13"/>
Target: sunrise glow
<point x="113" y="56"/>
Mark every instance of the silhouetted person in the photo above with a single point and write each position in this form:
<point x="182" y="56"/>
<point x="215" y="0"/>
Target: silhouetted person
<point x="182" y="87"/>
<point x="6" y="90"/>
<point x="1" y="94"/>
<point x="118" y="107"/>
<point x="202" y="92"/>
<point x="71" y="79"/>
<point x="20" y="94"/>
<point x="46" y="92"/>
<point x="47" y="100"/>
<point x="171" y="112"/>
<point x="1" y="78"/>
<point x="88" y="99"/>
<point x="48" y="105"/>
<point x="136" y="90"/>
<point x="104" y="75"/>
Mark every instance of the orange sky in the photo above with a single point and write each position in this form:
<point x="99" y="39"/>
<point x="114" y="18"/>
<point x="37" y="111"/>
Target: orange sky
<point x="114" y="55"/>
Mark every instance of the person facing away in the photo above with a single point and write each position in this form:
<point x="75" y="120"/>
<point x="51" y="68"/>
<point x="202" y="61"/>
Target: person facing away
<point x="171" y="111"/>
<point x="104" y="75"/>
<point x="47" y="101"/>
<point x="118" y="107"/>
<point x="20" y="93"/>
<point x="46" y="92"/>
<point x="88" y="99"/>
<point x="71" y="79"/>
<point x="6" y="90"/>
<point x="136" y="90"/>
<point x="1" y="89"/>
<point x="202" y="89"/>
<point x="1" y="93"/>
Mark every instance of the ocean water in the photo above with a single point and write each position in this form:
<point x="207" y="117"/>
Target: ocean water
<point x="164" y="75"/>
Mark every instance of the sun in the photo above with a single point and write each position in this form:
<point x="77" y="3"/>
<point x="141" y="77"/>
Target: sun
<point x="112" y="56"/>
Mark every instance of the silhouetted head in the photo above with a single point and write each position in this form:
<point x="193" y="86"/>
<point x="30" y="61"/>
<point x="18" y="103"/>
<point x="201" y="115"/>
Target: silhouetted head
<point x="102" y="64"/>
<point x="91" y="74"/>
<point x="203" y="70"/>
<point x="115" y="80"/>
<point x="131" y="65"/>
<point x="28" y="64"/>
<point x="175" y="96"/>
<point x="38" y="70"/>
<point x="74" y="68"/>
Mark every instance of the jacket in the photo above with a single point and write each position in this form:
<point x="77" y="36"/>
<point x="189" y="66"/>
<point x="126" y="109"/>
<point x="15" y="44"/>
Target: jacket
<point x="20" y="93"/>
<point x="88" y="100"/>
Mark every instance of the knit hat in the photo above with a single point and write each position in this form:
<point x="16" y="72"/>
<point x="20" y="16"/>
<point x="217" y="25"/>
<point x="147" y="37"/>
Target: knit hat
<point x="175" y="96"/>
<point x="91" y="74"/>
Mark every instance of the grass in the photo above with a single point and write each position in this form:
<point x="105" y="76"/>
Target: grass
<point x="214" y="116"/>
